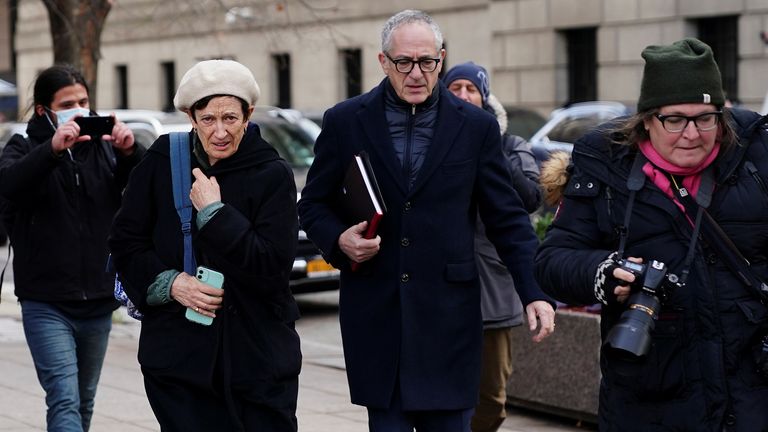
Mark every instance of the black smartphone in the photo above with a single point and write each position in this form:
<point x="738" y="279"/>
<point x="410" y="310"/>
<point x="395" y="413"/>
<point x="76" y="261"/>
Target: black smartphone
<point x="96" y="126"/>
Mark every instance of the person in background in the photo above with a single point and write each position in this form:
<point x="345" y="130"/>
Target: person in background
<point x="60" y="190"/>
<point x="410" y="316"/>
<point x="500" y="303"/>
<point x="683" y="353"/>
<point x="240" y="373"/>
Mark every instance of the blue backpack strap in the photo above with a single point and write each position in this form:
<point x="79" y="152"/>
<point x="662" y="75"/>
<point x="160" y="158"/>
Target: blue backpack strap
<point x="181" y="175"/>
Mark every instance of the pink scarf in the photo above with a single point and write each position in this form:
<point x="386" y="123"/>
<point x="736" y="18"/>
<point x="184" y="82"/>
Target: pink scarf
<point x="656" y="168"/>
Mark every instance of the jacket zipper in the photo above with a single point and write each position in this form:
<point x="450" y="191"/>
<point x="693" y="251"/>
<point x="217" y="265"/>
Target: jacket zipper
<point x="77" y="198"/>
<point x="408" y="145"/>
<point x="74" y="168"/>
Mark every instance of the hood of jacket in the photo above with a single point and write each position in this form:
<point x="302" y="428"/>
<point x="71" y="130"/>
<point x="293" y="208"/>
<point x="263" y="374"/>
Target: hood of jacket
<point x="493" y="105"/>
<point x="40" y="129"/>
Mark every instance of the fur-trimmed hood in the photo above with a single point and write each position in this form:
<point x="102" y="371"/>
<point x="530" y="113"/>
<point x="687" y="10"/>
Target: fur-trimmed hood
<point x="554" y="176"/>
<point x="494" y="107"/>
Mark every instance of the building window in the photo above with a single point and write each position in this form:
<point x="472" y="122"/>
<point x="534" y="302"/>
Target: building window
<point x="121" y="80"/>
<point x="169" y="85"/>
<point x="351" y="60"/>
<point x="282" y="67"/>
<point x="581" y="48"/>
<point x="722" y="34"/>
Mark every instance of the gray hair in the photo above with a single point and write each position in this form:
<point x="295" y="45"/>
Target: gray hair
<point x="408" y="16"/>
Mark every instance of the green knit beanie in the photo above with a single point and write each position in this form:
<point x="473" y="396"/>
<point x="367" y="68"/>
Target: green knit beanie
<point x="684" y="72"/>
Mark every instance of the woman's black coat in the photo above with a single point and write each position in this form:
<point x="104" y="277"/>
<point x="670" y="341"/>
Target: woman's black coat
<point x="251" y="240"/>
<point x="700" y="373"/>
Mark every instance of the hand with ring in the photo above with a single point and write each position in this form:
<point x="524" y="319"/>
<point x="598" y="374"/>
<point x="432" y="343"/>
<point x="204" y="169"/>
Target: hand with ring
<point x="196" y="295"/>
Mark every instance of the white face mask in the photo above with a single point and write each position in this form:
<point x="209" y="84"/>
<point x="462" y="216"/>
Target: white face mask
<point x="66" y="115"/>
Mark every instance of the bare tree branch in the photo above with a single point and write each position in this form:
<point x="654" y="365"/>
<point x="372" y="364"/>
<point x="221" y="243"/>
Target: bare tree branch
<point x="76" y="27"/>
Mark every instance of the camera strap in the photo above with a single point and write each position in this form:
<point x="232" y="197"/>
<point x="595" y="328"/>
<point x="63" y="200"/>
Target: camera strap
<point x="635" y="182"/>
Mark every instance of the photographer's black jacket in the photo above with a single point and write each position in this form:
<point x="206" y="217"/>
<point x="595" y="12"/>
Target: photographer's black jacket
<point x="59" y="209"/>
<point x="700" y="373"/>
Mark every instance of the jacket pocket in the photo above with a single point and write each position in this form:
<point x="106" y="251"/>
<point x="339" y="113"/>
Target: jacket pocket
<point x="754" y="311"/>
<point x="662" y="374"/>
<point x="745" y="347"/>
<point x="461" y="272"/>
<point x="457" y="167"/>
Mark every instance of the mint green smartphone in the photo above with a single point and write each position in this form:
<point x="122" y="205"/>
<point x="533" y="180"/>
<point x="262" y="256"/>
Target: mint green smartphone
<point x="211" y="278"/>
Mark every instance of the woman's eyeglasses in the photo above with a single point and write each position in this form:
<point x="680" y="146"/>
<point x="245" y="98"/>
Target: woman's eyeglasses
<point x="677" y="123"/>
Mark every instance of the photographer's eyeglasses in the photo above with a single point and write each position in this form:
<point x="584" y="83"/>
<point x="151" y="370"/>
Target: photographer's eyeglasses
<point x="406" y="65"/>
<point x="677" y="123"/>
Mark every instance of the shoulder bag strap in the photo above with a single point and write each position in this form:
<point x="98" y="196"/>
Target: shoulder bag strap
<point x="181" y="175"/>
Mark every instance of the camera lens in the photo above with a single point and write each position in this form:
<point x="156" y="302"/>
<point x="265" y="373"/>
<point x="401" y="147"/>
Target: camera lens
<point x="630" y="338"/>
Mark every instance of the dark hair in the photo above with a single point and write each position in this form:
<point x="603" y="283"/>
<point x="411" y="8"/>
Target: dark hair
<point x="631" y="131"/>
<point x="202" y="103"/>
<point x="53" y="79"/>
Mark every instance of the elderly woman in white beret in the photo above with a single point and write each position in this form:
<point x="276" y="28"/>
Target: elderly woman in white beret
<point x="239" y="372"/>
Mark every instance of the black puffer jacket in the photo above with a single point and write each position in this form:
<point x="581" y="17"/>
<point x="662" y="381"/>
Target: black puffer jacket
<point x="411" y="128"/>
<point x="700" y="373"/>
<point x="60" y="212"/>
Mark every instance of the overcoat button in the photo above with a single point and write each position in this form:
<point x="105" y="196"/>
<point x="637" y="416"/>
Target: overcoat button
<point x="405" y="242"/>
<point x="404" y="277"/>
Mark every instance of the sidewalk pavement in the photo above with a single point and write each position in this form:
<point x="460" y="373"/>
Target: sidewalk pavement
<point x="121" y="404"/>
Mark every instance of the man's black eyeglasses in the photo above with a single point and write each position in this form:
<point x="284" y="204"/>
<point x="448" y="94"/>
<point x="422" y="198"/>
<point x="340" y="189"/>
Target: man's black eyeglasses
<point x="406" y="65"/>
<point x="677" y="123"/>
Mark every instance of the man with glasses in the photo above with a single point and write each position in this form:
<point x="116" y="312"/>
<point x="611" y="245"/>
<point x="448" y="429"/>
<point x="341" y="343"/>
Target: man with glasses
<point x="410" y="313"/>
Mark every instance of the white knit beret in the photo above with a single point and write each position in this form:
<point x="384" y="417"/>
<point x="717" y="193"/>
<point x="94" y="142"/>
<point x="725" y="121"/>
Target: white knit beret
<point x="216" y="77"/>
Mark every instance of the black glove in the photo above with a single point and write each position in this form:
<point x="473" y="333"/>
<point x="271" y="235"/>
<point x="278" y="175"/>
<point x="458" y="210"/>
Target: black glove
<point x="605" y="282"/>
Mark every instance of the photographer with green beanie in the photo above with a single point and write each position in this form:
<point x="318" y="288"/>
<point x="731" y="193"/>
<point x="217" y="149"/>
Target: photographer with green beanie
<point x="683" y="326"/>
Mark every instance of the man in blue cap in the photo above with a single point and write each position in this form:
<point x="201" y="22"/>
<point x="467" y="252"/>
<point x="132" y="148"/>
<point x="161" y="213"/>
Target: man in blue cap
<point x="500" y="303"/>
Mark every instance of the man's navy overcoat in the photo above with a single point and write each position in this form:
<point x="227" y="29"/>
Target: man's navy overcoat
<point x="411" y="316"/>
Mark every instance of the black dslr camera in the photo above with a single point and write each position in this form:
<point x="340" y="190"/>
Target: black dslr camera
<point x="630" y="338"/>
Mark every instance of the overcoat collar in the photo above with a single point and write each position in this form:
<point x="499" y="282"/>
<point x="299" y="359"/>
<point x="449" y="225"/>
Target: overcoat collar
<point x="372" y="119"/>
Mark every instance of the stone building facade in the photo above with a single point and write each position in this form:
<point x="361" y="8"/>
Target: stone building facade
<point x="311" y="54"/>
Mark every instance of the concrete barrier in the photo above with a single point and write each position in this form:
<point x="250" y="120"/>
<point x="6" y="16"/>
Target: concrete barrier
<point x="560" y="375"/>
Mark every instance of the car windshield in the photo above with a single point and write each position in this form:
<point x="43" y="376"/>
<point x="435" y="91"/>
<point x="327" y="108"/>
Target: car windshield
<point x="571" y="129"/>
<point x="293" y="144"/>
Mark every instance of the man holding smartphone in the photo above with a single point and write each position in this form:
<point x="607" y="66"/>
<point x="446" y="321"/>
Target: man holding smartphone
<point x="96" y="126"/>
<point x="60" y="190"/>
